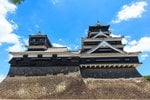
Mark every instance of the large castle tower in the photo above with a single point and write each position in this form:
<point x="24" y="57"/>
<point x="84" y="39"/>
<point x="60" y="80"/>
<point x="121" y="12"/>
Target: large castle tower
<point x="102" y="56"/>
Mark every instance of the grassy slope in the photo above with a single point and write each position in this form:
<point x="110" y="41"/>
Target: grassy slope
<point x="70" y="86"/>
<point x="147" y="77"/>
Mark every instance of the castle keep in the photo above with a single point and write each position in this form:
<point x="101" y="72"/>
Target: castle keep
<point x="101" y="56"/>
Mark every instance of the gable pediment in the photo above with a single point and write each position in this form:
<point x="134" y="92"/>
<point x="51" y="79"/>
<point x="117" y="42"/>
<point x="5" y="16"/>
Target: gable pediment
<point x="104" y="44"/>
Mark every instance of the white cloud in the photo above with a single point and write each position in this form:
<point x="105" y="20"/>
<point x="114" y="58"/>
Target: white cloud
<point x="17" y="47"/>
<point x="128" y="37"/>
<point x="6" y="7"/>
<point x="135" y="45"/>
<point x="54" y="2"/>
<point x="131" y="11"/>
<point x="7" y="27"/>
<point x="60" y="40"/>
<point x="26" y="41"/>
<point x="115" y="35"/>
<point x="36" y="26"/>
<point x="58" y="45"/>
<point x="124" y="40"/>
<point x="70" y="47"/>
<point x="138" y="45"/>
<point x="76" y="47"/>
<point x="144" y="56"/>
<point x="2" y="77"/>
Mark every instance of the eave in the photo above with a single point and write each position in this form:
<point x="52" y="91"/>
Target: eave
<point x="93" y="46"/>
<point x="112" y="65"/>
<point x="85" y="55"/>
<point x="102" y="39"/>
<point x="34" y="53"/>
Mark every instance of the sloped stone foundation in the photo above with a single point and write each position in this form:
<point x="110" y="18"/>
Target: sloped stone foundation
<point x="72" y="86"/>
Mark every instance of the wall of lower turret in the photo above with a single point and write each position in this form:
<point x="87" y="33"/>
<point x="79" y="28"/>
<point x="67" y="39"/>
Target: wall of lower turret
<point x="85" y="73"/>
<point x="41" y="71"/>
<point x="45" y="66"/>
<point x="110" y="73"/>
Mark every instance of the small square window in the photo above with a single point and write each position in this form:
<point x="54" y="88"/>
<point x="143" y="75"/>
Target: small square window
<point x="54" y="55"/>
<point x="40" y="56"/>
<point x="25" y="56"/>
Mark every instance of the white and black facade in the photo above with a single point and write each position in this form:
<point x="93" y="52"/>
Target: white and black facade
<point x="101" y="56"/>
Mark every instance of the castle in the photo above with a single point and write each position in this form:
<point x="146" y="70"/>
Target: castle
<point x="101" y="56"/>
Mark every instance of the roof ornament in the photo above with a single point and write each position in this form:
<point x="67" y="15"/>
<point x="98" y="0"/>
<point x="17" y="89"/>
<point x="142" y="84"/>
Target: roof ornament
<point x="39" y="33"/>
<point x="98" y="23"/>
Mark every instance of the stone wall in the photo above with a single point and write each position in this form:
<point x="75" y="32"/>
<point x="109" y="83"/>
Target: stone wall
<point x="110" y="73"/>
<point x="41" y="71"/>
<point x="85" y="73"/>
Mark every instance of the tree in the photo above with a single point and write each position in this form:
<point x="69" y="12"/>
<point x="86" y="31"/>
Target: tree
<point x="16" y="1"/>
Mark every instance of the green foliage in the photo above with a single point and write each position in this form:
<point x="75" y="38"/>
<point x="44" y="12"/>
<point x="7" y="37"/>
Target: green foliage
<point x="147" y="77"/>
<point x="16" y="1"/>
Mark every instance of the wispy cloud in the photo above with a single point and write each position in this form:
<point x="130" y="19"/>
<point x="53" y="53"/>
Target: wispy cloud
<point x="58" y="45"/>
<point x="61" y="40"/>
<point x="37" y="26"/>
<point x="115" y="35"/>
<point x="54" y="2"/>
<point x="16" y="47"/>
<point x="134" y="10"/>
<point x="69" y="46"/>
<point x="144" y="56"/>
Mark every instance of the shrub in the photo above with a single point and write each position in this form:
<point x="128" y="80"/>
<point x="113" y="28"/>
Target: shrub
<point x="147" y="77"/>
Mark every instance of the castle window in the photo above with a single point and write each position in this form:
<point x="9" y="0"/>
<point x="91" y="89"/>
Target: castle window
<point x="25" y="56"/>
<point x="59" y="58"/>
<point x="40" y="55"/>
<point x="54" y="55"/>
<point x="74" y="61"/>
<point x="33" y="40"/>
<point x="88" y="60"/>
<point x="127" y="59"/>
<point x="69" y="58"/>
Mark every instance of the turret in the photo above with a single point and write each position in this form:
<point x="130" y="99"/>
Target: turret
<point x="38" y="42"/>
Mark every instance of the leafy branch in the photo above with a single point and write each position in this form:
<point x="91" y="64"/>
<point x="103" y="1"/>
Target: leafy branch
<point x="16" y="1"/>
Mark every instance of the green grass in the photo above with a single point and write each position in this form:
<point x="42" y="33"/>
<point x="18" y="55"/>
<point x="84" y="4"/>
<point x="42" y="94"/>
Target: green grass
<point x="147" y="77"/>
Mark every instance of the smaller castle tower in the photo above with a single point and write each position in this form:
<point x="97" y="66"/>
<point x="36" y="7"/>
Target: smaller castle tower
<point x="41" y="59"/>
<point x="38" y="42"/>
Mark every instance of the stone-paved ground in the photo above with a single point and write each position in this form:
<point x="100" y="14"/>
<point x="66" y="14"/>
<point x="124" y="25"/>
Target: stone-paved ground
<point x="73" y="87"/>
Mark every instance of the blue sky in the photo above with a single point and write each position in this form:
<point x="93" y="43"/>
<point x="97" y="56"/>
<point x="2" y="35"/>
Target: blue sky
<point x="66" y="21"/>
